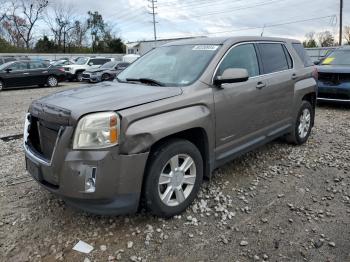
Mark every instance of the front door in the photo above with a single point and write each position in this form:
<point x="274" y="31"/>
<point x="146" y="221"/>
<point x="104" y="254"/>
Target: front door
<point x="239" y="107"/>
<point x="18" y="74"/>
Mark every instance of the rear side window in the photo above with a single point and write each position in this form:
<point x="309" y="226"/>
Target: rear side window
<point x="37" y="65"/>
<point x="274" y="57"/>
<point x="242" y="56"/>
<point x="302" y="54"/>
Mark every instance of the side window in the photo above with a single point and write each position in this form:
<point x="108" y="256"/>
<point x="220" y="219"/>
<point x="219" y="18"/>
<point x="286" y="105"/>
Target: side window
<point x="288" y="56"/>
<point x="273" y="57"/>
<point x="18" y="66"/>
<point x="302" y="54"/>
<point x="99" y="61"/>
<point x="242" y="56"/>
<point x="37" y="65"/>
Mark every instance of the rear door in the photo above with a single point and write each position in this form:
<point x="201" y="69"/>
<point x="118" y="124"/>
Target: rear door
<point x="38" y="72"/>
<point x="279" y="75"/>
<point x="239" y="107"/>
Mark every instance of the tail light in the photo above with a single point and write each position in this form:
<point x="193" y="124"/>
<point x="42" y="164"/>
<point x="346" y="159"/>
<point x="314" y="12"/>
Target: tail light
<point x="61" y="69"/>
<point x="315" y="73"/>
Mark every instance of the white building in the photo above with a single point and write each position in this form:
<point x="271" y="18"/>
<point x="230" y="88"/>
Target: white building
<point x="142" y="47"/>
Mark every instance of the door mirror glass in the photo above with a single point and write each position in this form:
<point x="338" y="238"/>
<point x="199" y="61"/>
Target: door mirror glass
<point x="232" y="75"/>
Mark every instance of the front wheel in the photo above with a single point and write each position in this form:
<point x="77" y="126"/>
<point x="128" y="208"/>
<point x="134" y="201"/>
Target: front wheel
<point x="302" y="125"/>
<point x="105" y="77"/>
<point x="52" y="81"/>
<point x="173" y="179"/>
<point x="80" y="77"/>
<point x="1" y="85"/>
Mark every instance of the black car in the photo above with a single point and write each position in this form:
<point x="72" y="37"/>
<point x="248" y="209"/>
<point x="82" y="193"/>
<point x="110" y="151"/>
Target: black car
<point x="106" y="72"/>
<point x="334" y="76"/>
<point x="29" y="73"/>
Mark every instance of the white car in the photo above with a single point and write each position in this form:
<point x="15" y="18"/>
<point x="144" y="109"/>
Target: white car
<point x="75" y="71"/>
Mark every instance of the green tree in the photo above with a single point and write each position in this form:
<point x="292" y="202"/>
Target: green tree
<point x="310" y="41"/>
<point x="45" y="45"/>
<point x="96" y="26"/>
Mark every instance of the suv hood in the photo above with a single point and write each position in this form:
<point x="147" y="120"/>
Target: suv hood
<point x="333" y="69"/>
<point x="97" y="70"/>
<point x="68" y="106"/>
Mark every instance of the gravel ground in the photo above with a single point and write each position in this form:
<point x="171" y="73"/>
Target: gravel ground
<point x="278" y="203"/>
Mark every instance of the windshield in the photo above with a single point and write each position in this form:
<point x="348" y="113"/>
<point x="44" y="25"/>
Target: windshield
<point x="108" y="65"/>
<point x="171" y="65"/>
<point x="3" y="66"/>
<point x="338" y="57"/>
<point x="81" y="61"/>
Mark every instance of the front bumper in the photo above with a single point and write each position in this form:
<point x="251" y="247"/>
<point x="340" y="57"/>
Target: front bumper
<point x="337" y="93"/>
<point x="118" y="177"/>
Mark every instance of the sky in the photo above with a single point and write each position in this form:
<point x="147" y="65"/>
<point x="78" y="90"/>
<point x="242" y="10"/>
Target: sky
<point x="183" y="18"/>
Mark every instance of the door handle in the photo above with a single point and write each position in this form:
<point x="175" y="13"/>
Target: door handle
<point x="260" y="85"/>
<point x="45" y="72"/>
<point x="294" y="76"/>
<point x="25" y="73"/>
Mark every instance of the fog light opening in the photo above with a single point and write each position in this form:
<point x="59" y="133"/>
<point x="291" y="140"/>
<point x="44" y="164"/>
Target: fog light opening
<point x="90" y="181"/>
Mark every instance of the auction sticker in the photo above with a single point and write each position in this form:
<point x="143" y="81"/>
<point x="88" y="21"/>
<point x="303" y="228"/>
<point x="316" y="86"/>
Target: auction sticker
<point x="205" y="47"/>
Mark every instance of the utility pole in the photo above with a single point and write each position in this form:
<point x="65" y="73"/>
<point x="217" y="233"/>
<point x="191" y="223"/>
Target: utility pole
<point x="341" y="23"/>
<point x="153" y="13"/>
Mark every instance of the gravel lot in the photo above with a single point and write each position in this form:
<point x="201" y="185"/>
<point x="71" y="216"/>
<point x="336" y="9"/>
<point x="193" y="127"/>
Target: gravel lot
<point x="278" y="203"/>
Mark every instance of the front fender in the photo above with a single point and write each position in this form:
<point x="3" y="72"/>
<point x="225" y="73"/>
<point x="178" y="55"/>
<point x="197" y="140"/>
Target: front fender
<point x="142" y="134"/>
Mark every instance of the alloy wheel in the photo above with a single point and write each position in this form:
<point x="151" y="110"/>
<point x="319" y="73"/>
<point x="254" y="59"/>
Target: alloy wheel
<point x="1" y="85"/>
<point x="177" y="180"/>
<point x="304" y="123"/>
<point x="52" y="81"/>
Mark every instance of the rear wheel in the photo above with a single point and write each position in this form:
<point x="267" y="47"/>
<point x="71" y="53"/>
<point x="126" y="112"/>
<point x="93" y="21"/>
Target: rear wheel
<point x="52" y="81"/>
<point x="173" y="178"/>
<point x="302" y="124"/>
<point x="1" y="85"/>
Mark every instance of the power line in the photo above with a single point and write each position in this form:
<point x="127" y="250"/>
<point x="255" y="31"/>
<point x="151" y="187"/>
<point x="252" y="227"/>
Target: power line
<point x="266" y="26"/>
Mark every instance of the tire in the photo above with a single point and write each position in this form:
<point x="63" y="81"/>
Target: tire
<point x="79" y="77"/>
<point x="105" y="77"/>
<point x="52" y="81"/>
<point x="302" y="124"/>
<point x="2" y="85"/>
<point x="177" y="190"/>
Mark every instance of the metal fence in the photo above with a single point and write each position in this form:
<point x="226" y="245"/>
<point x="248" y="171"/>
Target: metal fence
<point x="60" y="55"/>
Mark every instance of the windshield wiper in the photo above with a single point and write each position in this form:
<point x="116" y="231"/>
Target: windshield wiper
<point x="145" y="81"/>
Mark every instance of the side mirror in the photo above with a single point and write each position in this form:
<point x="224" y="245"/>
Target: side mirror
<point x="8" y="70"/>
<point x="317" y="62"/>
<point x="232" y="75"/>
<point x="90" y="64"/>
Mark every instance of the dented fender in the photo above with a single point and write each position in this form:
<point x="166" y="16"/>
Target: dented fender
<point x="141" y="134"/>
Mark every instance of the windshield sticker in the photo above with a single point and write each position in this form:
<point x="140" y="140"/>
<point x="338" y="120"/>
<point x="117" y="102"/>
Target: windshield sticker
<point x="328" y="60"/>
<point x="205" y="47"/>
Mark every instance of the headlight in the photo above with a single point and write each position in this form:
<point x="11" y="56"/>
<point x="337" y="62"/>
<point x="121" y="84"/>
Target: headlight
<point x="98" y="130"/>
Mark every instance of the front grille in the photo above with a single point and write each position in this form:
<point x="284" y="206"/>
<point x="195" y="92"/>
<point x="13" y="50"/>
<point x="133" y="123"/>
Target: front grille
<point x="42" y="137"/>
<point x="334" y="78"/>
<point x="66" y="69"/>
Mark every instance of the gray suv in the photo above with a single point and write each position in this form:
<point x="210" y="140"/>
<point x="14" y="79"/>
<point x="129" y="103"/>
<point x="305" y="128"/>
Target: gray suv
<point x="168" y="121"/>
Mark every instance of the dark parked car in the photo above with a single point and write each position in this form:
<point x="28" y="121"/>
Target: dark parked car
<point x="106" y="72"/>
<point x="334" y="76"/>
<point x="29" y="73"/>
<point x="6" y="59"/>
<point x="173" y="116"/>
